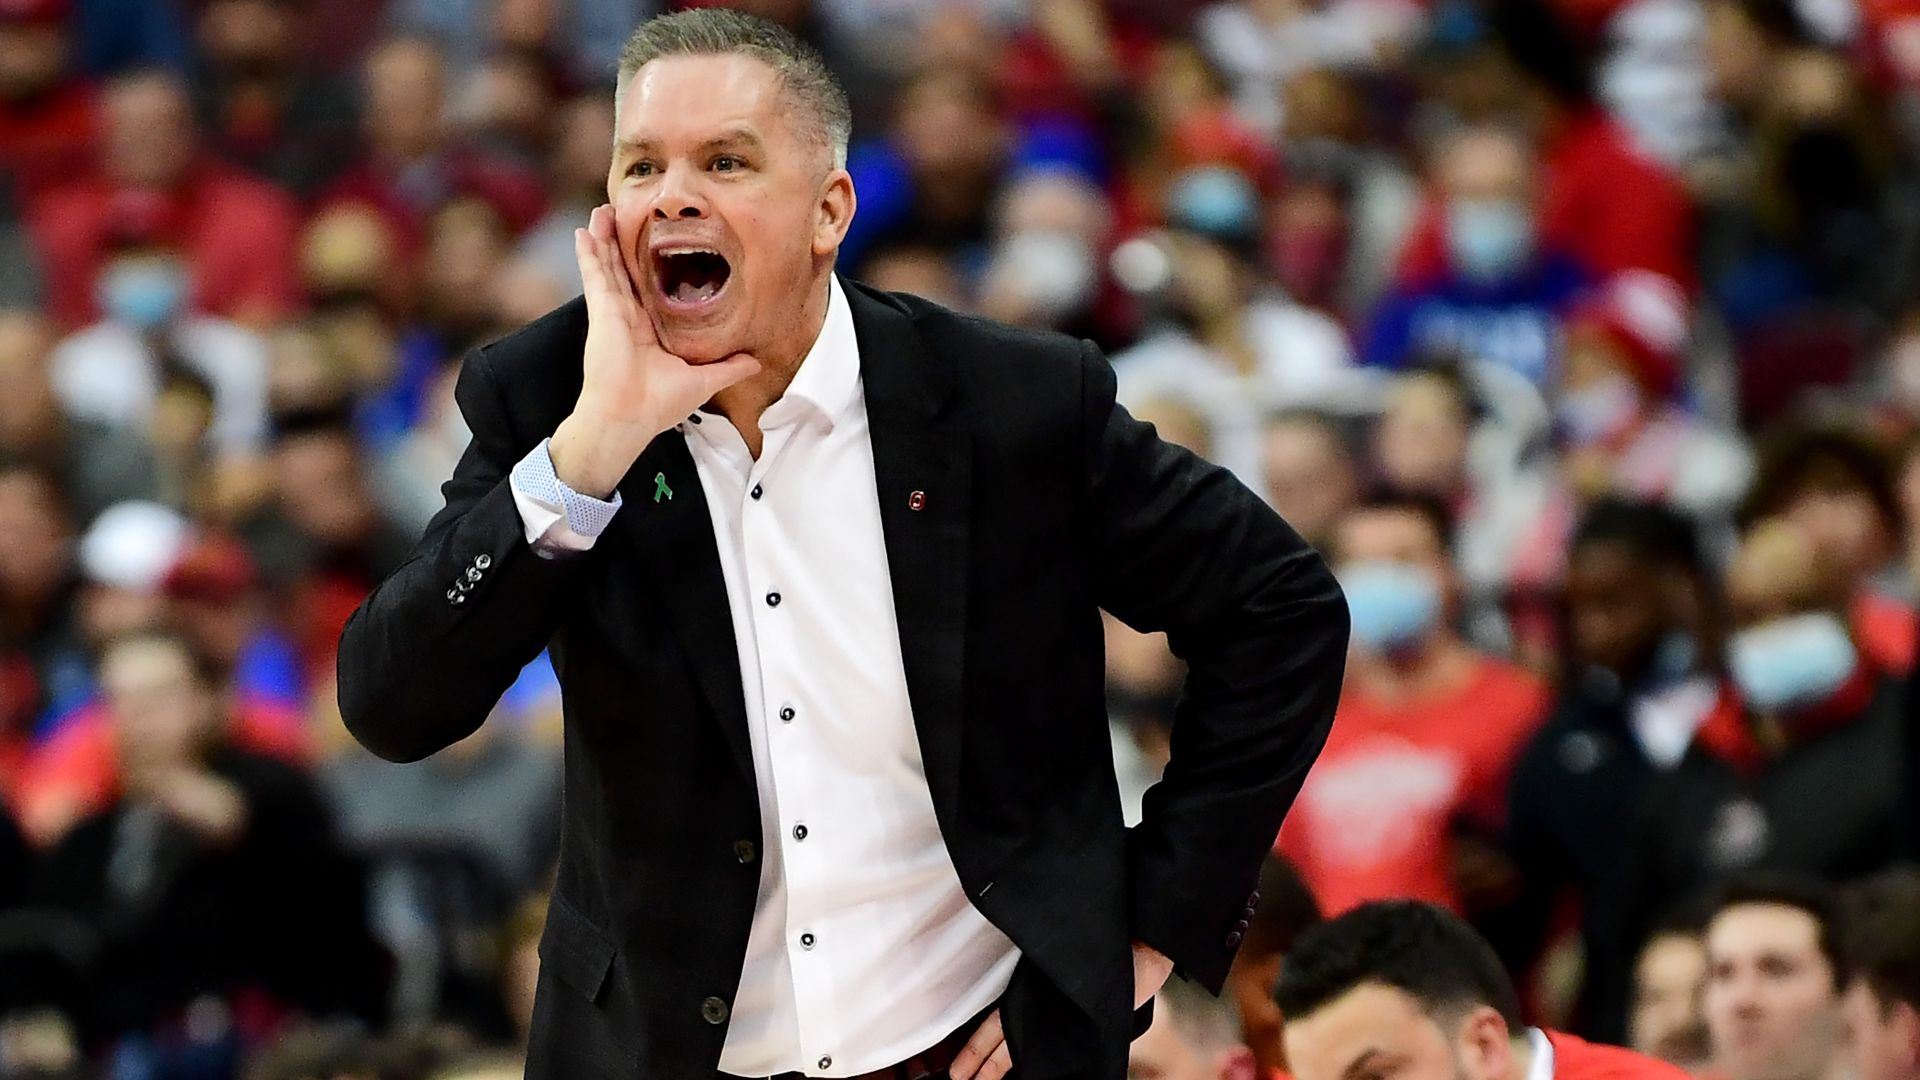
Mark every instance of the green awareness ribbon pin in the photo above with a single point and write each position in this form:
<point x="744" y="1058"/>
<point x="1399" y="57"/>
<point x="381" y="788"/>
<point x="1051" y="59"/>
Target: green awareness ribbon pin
<point x="660" y="488"/>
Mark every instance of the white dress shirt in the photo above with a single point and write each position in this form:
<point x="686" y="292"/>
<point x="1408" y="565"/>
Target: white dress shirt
<point x="1541" y="1067"/>
<point x="865" y="949"/>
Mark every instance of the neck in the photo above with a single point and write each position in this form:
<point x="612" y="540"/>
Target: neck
<point x="1413" y="672"/>
<point x="744" y="401"/>
<point x="1522" y="1055"/>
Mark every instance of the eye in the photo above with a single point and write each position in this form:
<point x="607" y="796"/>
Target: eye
<point x="640" y="168"/>
<point x="728" y="163"/>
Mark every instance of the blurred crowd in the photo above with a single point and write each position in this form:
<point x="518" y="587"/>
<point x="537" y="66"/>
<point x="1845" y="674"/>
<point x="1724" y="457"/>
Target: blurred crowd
<point x="1582" y="336"/>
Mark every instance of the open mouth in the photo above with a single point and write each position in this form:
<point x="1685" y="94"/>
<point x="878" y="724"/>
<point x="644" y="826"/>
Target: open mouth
<point x="690" y="275"/>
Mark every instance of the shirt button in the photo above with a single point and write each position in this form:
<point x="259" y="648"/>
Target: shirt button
<point x="799" y="832"/>
<point x="806" y="940"/>
<point x="483" y="560"/>
<point x="773" y="599"/>
<point x="743" y="850"/>
<point x="694" y="418"/>
<point x="786" y="714"/>
<point x="825" y="1062"/>
<point x="755" y="493"/>
<point x="713" y="1011"/>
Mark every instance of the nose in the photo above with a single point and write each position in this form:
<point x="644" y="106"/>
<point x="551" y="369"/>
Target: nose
<point x="677" y="197"/>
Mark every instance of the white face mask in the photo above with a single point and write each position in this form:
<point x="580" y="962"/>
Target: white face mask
<point x="1598" y="411"/>
<point x="1053" y="271"/>
<point x="1489" y="239"/>
<point x="1791" y="662"/>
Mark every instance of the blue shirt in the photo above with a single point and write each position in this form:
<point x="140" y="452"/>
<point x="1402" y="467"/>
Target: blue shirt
<point x="1514" y="323"/>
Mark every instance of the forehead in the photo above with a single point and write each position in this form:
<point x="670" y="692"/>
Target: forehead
<point x="142" y="663"/>
<point x="1386" y="528"/>
<point x="1749" y="929"/>
<point x="677" y="99"/>
<point x="1372" y="1016"/>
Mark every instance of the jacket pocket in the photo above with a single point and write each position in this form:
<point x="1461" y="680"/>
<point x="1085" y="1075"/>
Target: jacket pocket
<point x="578" y="953"/>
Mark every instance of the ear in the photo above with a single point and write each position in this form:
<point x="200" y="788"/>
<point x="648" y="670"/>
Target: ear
<point x="1906" y="1020"/>
<point x="834" y="212"/>
<point x="1485" y="1046"/>
<point x="1236" y="1064"/>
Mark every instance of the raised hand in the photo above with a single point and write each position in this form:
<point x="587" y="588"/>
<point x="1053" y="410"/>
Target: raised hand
<point x="631" y="389"/>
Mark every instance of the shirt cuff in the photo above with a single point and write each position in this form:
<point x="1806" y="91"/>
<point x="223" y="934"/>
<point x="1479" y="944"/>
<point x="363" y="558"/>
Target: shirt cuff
<point x="557" y="518"/>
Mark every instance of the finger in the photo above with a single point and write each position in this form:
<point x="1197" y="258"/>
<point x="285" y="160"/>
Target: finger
<point x="593" y="269"/>
<point x="973" y="1056"/>
<point x="997" y="1066"/>
<point x="721" y="374"/>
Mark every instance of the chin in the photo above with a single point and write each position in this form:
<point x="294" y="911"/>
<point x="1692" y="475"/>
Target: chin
<point x="700" y="345"/>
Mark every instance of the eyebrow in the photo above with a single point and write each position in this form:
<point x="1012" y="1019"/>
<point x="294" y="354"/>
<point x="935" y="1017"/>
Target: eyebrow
<point x="741" y="137"/>
<point x="1365" y="1057"/>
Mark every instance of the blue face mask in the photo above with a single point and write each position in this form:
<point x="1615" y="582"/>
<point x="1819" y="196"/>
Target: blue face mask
<point x="1489" y="239"/>
<point x="1393" y="605"/>
<point x="144" y="294"/>
<point x="1214" y="200"/>
<point x="1597" y="412"/>
<point x="1791" y="662"/>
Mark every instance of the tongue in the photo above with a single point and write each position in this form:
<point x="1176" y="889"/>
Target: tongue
<point x="686" y="292"/>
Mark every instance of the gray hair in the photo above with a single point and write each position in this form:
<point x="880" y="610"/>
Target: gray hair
<point x="716" y="31"/>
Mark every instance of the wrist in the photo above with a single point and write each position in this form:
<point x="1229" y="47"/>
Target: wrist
<point x="591" y="455"/>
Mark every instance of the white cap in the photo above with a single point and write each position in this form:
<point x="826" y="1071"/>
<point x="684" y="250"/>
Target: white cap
<point x="132" y="545"/>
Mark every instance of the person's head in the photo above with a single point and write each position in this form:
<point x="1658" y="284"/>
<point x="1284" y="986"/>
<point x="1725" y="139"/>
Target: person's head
<point x="1287" y="908"/>
<point x="1792" y="645"/>
<point x="1312" y="477"/>
<point x="729" y="184"/>
<point x="1050" y="227"/>
<point x="1622" y="356"/>
<point x="145" y="282"/>
<point x="36" y="534"/>
<point x="124" y="559"/>
<point x="212" y="593"/>
<point x="404" y="84"/>
<point x="946" y="128"/>
<point x="1194" y="1036"/>
<point x="1669" y="984"/>
<point x="1392" y="554"/>
<point x="1420" y="442"/>
<point x="467" y="243"/>
<point x="1398" y="990"/>
<point x="33" y="47"/>
<point x="1743" y="43"/>
<point x="1774" y="973"/>
<point x="320" y="480"/>
<point x="1836" y="483"/>
<point x="149" y="138"/>
<point x="1487" y="177"/>
<point x="249" y="39"/>
<point x="29" y="411"/>
<point x="1636" y="583"/>
<point x="163" y="699"/>
<point x="580" y="156"/>
<point x="1882" y="1005"/>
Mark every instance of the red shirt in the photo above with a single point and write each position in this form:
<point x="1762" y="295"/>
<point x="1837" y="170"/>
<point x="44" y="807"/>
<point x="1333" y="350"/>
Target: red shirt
<point x="1577" y="1059"/>
<point x="48" y="139"/>
<point x="239" y="235"/>
<point x="1602" y="201"/>
<point x="1376" y="816"/>
<point x="1885" y="629"/>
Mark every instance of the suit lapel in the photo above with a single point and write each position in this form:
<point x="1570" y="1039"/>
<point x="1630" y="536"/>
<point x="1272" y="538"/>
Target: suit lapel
<point x="923" y="469"/>
<point x="674" y="536"/>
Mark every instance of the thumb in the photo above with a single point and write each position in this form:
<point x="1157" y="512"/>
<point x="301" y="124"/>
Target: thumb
<point x="717" y="376"/>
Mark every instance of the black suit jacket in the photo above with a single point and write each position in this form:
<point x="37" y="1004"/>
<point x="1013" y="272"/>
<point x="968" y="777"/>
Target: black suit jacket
<point x="1041" y="502"/>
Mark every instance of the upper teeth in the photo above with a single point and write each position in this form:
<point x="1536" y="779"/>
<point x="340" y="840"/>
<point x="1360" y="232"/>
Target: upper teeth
<point x="688" y="251"/>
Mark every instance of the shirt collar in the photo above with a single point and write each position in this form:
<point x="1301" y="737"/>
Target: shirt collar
<point x="1541" y="1067"/>
<point x="829" y="376"/>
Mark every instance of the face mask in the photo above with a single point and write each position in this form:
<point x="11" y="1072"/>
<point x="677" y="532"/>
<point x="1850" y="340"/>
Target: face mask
<point x="1791" y="662"/>
<point x="143" y="295"/>
<point x="1054" y="271"/>
<point x="1214" y="201"/>
<point x="1393" y="605"/>
<point x="1488" y="239"/>
<point x="1599" y="411"/>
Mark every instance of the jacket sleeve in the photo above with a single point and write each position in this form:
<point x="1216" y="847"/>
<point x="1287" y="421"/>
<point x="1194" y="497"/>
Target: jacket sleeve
<point x="1181" y="546"/>
<point x="426" y="657"/>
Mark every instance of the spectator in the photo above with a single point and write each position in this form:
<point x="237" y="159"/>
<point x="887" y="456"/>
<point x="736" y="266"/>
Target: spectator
<point x="1799" y="770"/>
<point x="154" y="353"/>
<point x="1285" y="911"/>
<point x="1504" y="288"/>
<point x="1774" y="975"/>
<point x="1193" y="1036"/>
<point x="97" y="465"/>
<point x="1640" y="680"/>
<point x="42" y="665"/>
<point x="196" y="873"/>
<point x="1619" y="412"/>
<point x="260" y="100"/>
<point x="1407" y="789"/>
<point x="1836" y="484"/>
<point x="577" y="178"/>
<point x="1883" y="999"/>
<point x="1404" y="989"/>
<point x="1670" y="979"/>
<point x="1313" y="478"/>
<point x="235" y="233"/>
<point x="1045" y="268"/>
<point x="412" y="162"/>
<point x="48" y="118"/>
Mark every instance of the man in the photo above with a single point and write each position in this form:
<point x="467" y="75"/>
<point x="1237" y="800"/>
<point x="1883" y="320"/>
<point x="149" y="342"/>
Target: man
<point x="1774" y="973"/>
<point x="839" y="793"/>
<point x="1401" y="990"/>
<point x="1287" y="908"/>
<point x="1669" y="980"/>
<point x="1194" y="1036"/>
<point x="1413" y="780"/>
<point x="1883" y="1003"/>
<point x="1503" y="290"/>
<point x="1642" y="683"/>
